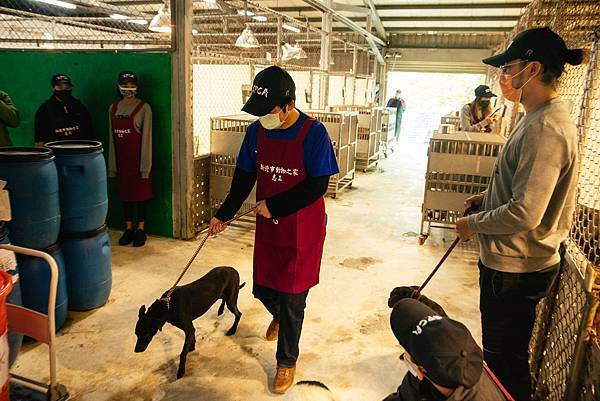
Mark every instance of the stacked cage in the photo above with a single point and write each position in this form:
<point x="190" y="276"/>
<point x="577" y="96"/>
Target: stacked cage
<point x="459" y="165"/>
<point x="226" y="136"/>
<point x="388" y="130"/>
<point x="343" y="131"/>
<point x="369" y="133"/>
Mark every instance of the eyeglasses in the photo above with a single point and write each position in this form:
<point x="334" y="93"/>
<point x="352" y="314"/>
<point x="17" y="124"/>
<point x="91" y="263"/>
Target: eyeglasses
<point x="505" y="68"/>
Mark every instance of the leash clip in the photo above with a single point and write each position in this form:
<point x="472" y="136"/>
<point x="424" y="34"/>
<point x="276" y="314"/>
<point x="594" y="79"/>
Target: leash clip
<point x="275" y="221"/>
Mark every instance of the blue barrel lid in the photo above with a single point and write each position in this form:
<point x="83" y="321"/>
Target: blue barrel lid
<point x="24" y="154"/>
<point x="74" y="147"/>
<point x="85" y="234"/>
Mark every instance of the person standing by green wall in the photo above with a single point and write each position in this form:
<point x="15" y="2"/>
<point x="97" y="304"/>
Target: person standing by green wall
<point x="62" y="116"/>
<point x="9" y="117"/>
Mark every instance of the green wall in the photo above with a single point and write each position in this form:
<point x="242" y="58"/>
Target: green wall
<point x="26" y="79"/>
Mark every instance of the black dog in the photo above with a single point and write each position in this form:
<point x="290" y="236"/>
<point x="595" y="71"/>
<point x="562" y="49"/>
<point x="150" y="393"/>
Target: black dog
<point x="399" y="293"/>
<point x="187" y="303"/>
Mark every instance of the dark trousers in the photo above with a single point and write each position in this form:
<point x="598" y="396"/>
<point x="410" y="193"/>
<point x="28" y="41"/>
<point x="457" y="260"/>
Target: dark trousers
<point x="507" y="304"/>
<point x="288" y="310"/>
<point x="135" y="211"/>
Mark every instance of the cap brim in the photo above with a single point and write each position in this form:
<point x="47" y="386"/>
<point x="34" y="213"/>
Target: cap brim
<point x="497" y="60"/>
<point x="258" y="106"/>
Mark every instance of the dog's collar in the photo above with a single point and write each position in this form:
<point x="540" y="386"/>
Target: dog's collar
<point x="166" y="300"/>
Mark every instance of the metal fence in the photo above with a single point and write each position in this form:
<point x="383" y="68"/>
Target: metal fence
<point x="86" y="24"/>
<point x="565" y="357"/>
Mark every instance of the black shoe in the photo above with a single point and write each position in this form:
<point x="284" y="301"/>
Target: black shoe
<point x="139" y="238"/>
<point x="127" y="237"/>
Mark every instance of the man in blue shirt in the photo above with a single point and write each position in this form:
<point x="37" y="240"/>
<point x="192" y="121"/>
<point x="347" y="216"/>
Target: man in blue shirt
<point x="290" y="158"/>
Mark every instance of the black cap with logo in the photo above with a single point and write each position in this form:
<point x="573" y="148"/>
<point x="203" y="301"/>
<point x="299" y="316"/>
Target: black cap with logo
<point x="58" y="79"/>
<point x="440" y="345"/>
<point x="484" y="91"/>
<point x="539" y="44"/>
<point x="272" y="87"/>
<point x="127" y="76"/>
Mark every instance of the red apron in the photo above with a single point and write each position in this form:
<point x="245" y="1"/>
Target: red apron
<point x="287" y="252"/>
<point x="128" y="151"/>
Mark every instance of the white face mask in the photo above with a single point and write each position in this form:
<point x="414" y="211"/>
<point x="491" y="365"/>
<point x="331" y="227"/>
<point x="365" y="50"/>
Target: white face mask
<point x="270" y="121"/>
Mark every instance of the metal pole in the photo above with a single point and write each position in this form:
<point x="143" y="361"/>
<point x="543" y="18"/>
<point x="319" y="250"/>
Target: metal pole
<point x="181" y="110"/>
<point x="279" y="38"/>
<point x="327" y="22"/>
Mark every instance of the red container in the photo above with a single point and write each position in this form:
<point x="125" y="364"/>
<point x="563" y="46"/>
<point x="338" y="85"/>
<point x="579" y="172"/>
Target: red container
<point x="6" y="286"/>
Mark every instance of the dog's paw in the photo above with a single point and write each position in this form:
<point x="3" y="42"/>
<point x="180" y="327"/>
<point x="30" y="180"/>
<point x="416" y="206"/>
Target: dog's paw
<point x="230" y="332"/>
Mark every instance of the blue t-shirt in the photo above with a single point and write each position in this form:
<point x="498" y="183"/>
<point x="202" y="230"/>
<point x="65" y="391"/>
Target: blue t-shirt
<point x="319" y="156"/>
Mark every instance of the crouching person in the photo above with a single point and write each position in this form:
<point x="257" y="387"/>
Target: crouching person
<point x="443" y="360"/>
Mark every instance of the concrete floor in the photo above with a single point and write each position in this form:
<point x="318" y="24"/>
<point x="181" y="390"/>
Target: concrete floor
<point x="347" y="343"/>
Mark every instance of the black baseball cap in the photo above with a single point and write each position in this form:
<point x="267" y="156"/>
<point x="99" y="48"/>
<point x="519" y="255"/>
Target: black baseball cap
<point x="442" y="346"/>
<point x="127" y="76"/>
<point x="58" y="79"/>
<point x="484" y="91"/>
<point x="272" y="87"/>
<point x="539" y="44"/>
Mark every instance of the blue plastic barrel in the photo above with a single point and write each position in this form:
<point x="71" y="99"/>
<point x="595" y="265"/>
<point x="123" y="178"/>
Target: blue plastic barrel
<point x="35" y="284"/>
<point x="15" y="340"/>
<point x="89" y="273"/>
<point x="82" y="184"/>
<point x="32" y="183"/>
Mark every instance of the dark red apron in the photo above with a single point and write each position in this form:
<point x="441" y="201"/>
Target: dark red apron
<point x="288" y="251"/>
<point x="128" y="151"/>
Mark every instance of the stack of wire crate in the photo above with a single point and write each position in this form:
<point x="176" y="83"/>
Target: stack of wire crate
<point x="343" y="131"/>
<point x="226" y="136"/>
<point x="388" y="130"/>
<point x="369" y="132"/>
<point x="459" y="165"/>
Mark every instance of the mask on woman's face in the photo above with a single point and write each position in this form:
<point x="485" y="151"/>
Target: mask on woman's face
<point x="63" y="94"/>
<point x="484" y="103"/>
<point x="127" y="92"/>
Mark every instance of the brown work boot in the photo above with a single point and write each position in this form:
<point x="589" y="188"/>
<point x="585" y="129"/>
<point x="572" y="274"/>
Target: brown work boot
<point x="273" y="331"/>
<point x="284" y="378"/>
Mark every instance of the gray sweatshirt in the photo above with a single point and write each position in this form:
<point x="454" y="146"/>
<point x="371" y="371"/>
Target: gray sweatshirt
<point x="143" y="123"/>
<point x="528" y="206"/>
<point x="466" y="118"/>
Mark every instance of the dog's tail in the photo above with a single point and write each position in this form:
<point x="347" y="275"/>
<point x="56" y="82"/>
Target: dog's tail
<point x="242" y="286"/>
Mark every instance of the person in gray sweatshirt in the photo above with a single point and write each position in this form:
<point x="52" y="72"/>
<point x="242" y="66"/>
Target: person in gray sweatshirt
<point x="525" y="214"/>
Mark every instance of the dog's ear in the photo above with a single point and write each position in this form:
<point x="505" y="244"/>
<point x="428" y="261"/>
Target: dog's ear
<point x="142" y="311"/>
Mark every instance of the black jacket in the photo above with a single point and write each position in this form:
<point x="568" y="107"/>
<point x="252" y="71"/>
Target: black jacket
<point x="56" y="121"/>
<point x="412" y="389"/>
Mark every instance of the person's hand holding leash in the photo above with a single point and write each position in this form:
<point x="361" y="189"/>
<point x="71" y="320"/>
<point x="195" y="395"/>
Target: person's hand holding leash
<point x="473" y="203"/>
<point x="263" y="210"/>
<point x="216" y="226"/>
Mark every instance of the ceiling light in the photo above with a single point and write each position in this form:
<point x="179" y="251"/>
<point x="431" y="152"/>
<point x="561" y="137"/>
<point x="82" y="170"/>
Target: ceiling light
<point x="162" y="20"/>
<point x="259" y="18"/>
<point x="194" y="31"/>
<point x="210" y="1"/>
<point x="245" y="12"/>
<point x="118" y="16"/>
<point x="290" y="28"/>
<point x="59" y="3"/>
<point x="292" y="52"/>
<point x="138" y="21"/>
<point x="247" y="39"/>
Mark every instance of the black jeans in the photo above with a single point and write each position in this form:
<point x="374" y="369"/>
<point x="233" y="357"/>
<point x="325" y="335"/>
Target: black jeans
<point x="288" y="310"/>
<point x="507" y="304"/>
<point x="135" y="211"/>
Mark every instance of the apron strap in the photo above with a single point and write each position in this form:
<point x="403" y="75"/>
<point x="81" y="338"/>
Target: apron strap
<point x="497" y="383"/>
<point x="113" y="109"/>
<point x="305" y="128"/>
<point x="137" y="109"/>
